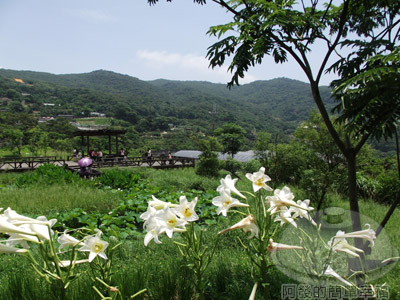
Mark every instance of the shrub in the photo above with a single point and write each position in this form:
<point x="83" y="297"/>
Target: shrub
<point x="388" y="187"/>
<point x="233" y="166"/>
<point x="119" y="178"/>
<point x="47" y="174"/>
<point x="208" y="164"/>
<point x="251" y="166"/>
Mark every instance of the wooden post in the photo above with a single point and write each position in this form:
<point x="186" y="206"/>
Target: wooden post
<point x="88" y="145"/>
<point x="109" y="144"/>
<point x="116" y="144"/>
<point x="83" y="146"/>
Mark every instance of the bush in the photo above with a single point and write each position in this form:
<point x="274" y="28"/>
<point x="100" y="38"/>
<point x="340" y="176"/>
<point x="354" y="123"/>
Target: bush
<point x="233" y="166"/>
<point x="208" y="165"/>
<point x="47" y="174"/>
<point x="119" y="178"/>
<point x="388" y="187"/>
<point x="251" y="166"/>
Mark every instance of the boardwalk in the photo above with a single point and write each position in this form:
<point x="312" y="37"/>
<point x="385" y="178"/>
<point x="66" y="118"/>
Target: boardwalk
<point x="30" y="163"/>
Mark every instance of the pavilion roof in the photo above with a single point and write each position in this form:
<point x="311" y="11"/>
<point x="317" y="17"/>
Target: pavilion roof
<point x="87" y="131"/>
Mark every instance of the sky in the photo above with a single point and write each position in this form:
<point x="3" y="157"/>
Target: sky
<point x="168" y="40"/>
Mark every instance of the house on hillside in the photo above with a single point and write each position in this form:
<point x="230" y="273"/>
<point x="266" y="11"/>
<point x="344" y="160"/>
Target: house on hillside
<point x="242" y="156"/>
<point x="19" y="80"/>
<point x="96" y="114"/>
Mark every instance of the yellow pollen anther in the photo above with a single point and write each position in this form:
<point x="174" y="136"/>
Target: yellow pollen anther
<point x="171" y="222"/>
<point x="187" y="212"/>
<point x="226" y="203"/>
<point x="98" y="247"/>
<point x="259" y="182"/>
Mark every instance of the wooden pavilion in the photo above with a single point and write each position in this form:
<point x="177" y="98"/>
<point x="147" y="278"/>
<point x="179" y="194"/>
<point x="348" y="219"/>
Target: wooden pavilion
<point x="88" y="132"/>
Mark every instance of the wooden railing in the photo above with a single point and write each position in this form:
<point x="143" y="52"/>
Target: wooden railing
<point x="32" y="162"/>
<point x="154" y="162"/>
<point x="28" y="163"/>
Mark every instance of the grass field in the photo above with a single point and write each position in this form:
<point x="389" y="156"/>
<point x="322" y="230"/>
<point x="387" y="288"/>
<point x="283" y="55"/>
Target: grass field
<point x="160" y="269"/>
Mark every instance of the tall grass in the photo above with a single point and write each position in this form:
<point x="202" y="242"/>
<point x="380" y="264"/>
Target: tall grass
<point x="59" y="197"/>
<point x="180" y="179"/>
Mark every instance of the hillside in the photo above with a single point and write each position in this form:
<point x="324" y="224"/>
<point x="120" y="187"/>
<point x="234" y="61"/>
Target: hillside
<point x="276" y="105"/>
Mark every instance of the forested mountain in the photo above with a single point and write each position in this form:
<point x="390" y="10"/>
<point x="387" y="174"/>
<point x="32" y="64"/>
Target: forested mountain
<point x="276" y="105"/>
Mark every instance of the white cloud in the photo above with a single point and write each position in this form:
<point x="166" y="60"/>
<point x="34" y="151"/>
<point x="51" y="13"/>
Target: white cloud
<point x="180" y="66"/>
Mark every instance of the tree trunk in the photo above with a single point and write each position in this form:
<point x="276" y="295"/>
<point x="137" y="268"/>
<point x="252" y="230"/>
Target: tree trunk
<point x="352" y="185"/>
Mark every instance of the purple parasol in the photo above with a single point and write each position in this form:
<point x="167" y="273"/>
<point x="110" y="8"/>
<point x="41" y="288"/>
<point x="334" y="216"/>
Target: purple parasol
<point x="84" y="162"/>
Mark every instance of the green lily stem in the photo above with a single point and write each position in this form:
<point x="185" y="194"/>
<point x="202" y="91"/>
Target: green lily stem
<point x="198" y="256"/>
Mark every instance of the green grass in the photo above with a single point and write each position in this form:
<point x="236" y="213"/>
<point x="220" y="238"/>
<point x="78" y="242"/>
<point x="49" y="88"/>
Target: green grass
<point x="94" y="121"/>
<point x="180" y="179"/>
<point x="39" y="200"/>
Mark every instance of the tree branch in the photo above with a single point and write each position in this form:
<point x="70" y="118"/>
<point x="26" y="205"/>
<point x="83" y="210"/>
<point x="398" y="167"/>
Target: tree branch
<point x="332" y="47"/>
<point x="397" y="199"/>
<point x="224" y="4"/>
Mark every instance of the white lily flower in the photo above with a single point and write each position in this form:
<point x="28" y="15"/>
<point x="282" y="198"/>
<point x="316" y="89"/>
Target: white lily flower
<point x="185" y="210"/>
<point x="341" y="244"/>
<point x="284" y="216"/>
<point x="247" y="224"/>
<point x="153" y="231"/>
<point x="39" y="226"/>
<point x="258" y="179"/>
<point x="9" y="249"/>
<point x="281" y="198"/>
<point x="22" y="240"/>
<point x="153" y="207"/>
<point x="273" y="247"/>
<point x="66" y="240"/>
<point x="366" y="234"/>
<point x="224" y="202"/>
<point x="330" y="272"/>
<point x="169" y="222"/>
<point x="229" y="183"/>
<point x="42" y="227"/>
<point x="13" y="217"/>
<point x="303" y="212"/>
<point x="158" y="204"/>
<point x="6" y="227"/>
<point x="95" y="246"/>
<point x="148" y="215"/>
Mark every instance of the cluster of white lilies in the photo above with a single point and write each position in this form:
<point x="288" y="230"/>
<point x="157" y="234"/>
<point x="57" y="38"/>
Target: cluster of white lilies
<point x="22" y="230"/>
<point x="165" y="217"/>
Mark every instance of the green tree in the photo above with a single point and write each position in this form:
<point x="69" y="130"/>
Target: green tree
<point x="14" y="140"/>
<point x="62" y="146"/>
<point x="208" y="164"/>
<point x="324" y="157"/>
<point x="15" y="107"/>
<point x="287" y="163"/>
<point x="370" y="96"/>
<point x="285" y="28"/>
<point x="231" y="137"/>
<point x="33" y="139"/>
<point x="263" y="148"/>
<point x="44" y="142"/>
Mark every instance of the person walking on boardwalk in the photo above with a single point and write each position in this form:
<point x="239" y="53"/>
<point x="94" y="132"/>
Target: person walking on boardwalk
<point x="148" y="154"/>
